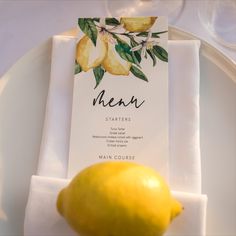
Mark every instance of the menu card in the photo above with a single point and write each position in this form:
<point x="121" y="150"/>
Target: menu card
<point x="120" y="98"/>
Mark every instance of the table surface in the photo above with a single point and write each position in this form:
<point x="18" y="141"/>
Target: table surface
<point x="25" y="24"/>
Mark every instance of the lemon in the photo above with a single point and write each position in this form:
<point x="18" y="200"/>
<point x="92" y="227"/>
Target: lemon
<point x="118" y="199"/>
<point x="89" y="56"/>
<point x="138" y="24"/>
<point x="114" y="64"/>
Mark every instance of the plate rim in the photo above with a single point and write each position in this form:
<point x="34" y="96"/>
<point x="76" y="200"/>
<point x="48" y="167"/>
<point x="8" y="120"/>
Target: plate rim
<point x="224" y="62"/>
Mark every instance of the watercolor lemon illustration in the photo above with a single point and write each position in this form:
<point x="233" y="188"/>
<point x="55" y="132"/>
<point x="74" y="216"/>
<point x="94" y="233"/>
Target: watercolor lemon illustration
<point x="104" y="53"/>
<point x="138" y="24"/>
<point x="119" y="199"/>
<point x="114" y="64"/>
<point x="88" y="55"/>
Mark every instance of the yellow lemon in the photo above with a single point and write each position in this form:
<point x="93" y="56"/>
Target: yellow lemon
<point x="114" y="64"/>
<point x="118" y="199"/>
<point x="89" y="56"/>
<point x="138" y="24"/>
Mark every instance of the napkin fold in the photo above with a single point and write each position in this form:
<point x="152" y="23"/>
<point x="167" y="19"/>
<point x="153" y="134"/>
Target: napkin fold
<point x="53" y="157"/>
<point x="41" y="217"/>
<point x="184" y="141"/>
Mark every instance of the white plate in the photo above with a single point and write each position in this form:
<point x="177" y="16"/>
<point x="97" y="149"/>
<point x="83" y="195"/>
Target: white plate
<point x="23" y="93"/>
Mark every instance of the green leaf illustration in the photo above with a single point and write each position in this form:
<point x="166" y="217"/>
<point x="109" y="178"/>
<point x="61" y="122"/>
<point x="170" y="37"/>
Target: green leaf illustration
<point x="154" y="35"/>
<point x="137" y="58"/>
<point x="152" y="55"/>
<point x="88" y="26"/>
<point x="78" y="68"/>
<point x="96" y="19"/>
<point x="109" y="21"/>
<point x="123" y="50"/>
<point x="160" y="53"/>
<point x="98" y="74"/>
<point x="137" y="54"/>
<point x="112" y="21"/>
<point x="138" y="73"/>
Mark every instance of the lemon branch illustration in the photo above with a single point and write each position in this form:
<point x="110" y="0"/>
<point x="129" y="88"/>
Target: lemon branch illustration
<point x="117" y="46"/>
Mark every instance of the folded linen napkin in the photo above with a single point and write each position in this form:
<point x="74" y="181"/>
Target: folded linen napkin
<point x="54" y="151"/>
<point x="185" y="165"/>
<point x="185" y="171"/>
<point x="184" y="76"/>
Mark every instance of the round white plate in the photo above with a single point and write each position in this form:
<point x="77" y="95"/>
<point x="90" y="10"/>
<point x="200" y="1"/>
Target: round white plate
<point x="23" y="94"/>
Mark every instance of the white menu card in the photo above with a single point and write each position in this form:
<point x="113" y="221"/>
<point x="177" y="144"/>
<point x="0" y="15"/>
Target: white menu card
<point x="120" y="100"/>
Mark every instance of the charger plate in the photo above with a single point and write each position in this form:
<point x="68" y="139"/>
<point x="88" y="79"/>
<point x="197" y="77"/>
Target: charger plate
<point x="23" y="94"/>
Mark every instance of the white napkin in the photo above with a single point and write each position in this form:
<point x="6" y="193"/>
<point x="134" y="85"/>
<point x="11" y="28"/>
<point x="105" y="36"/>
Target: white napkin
<point x="184" y="76"/>
<point x="185" y="171"/>
<point x="54" y="151"/>
<point x="185" y="166"/>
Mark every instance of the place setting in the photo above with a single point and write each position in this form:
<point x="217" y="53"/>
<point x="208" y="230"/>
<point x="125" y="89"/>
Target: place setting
<point x="119" y="108"/>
